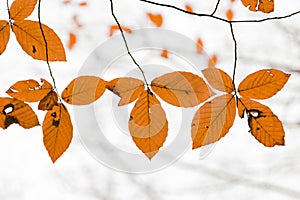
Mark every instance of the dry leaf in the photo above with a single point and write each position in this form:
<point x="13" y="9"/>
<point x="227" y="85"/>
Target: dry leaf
<point x="182" y="89"/>
<point x="265" y="6"/>
<point x="264" y="124"/>
<point x="218" y="79"/>
<point x="213" y="120"/>
<point x="84" y="90"/>
<point x="188" y="8"/>
<point x="58" y="131"/>
<point x="212" y="61"/>
<point x="21" y="9"/>
<point x="29" y="36"/>
<point x="14" y="111"/>
<point x="229" y="14"/>
<point x="129" y="89"/>
<point x="165" y="53"/>
<point x="148" y="124"/>
<point x="156" y="19"/>
<point x="199" y="46"/>
<point x="115" y="28"/>
<point x="263" y="84"/>
<point x="4" y="35"/>
<point x="72" y="40"/>
<point x="29" y="90"/>
<point x="48" y="101"/>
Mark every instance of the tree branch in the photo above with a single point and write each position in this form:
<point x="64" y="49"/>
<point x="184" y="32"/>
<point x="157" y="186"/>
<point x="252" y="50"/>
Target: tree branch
<point x="216" y="8"/>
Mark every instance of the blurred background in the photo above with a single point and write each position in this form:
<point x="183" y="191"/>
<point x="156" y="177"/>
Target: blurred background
<point x="236" y="167"/>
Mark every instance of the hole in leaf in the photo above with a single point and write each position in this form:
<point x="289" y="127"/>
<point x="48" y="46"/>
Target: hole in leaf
<point x="9" y="108"/>
<point x="53" y="114"/>
<point x="254" y="113"/>
<point x="55" y="123"/>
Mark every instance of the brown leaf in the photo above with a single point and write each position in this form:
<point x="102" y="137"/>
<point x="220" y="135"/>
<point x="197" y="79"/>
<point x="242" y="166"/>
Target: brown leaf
<point x="148" y="124"/>
<point x="265" y="6"/>
<point x="14" y="111"/>
<point x="156" y="19"/>
<point x="218" y="79"/>
<point x="84" y="90"/>
<point x="182" y="89"/>
<point x="21" y="9"/>
<point x="58" y="131"/>
<point x="129" y="89"/>
<point x="29" y="90"/>
<point x="213" y="120"/>
<point x="29" y="36"/>
<point x="263" y="84"/>
<point x="264" y="124"/>
<point x="48" y="101"/>
<point x="4" y="35"/>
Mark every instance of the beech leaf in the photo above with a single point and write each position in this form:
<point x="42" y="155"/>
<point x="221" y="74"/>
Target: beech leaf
<point x="218" y="79"/>
<point x="28" y="34"/>
<point x="58" y="131"/>
<point x="128" y="89"/>
<point x="4" y="35"/>
<point x="48" y="101"/>
<point x="29" y="90"/>
<point x="14" y="111"/>
<point x="264" y="124"/>
<point x="21" y="9"/>
<point x="265" y="6"/>
<point x="148" y="124"/>
<point x="213" y="120"/>
<point x="84" y="90"/>
<point x="182" y="89"/>
<point x="263" y="84"/>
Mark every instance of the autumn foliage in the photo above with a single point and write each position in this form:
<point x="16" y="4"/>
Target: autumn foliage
<point x="216" y="95"/>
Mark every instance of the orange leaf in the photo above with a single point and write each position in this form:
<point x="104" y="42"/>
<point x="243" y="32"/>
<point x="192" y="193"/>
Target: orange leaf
<point x="29" y="36"/>
<point x="4" y="35"/>
<point x="115" y="28"/>
<point x="188" y="8"/>
<point x="229" y="14"/>
<point x="72" y="40"/>
<point x="58" y="131"/>
<point x="165" y="53"/>
<point x="14" y="111"/>
<point x="21" y="9"/>
<point x="129" y="89"/>
<point x="264" y="124"/>
<point x="29" y="90"/>
<point x="263" y="84"/>
<point x="148" y="124"/>
<point x="156" y="19"/>
<point x="218" y="79"/>
<point x="48" y="101"/>
<point x="213" y="120"/>
<point x="199" y="46"/>
<point x="265" y="6"/>
<point x="84" y="90"/>
<point x="182" y="89"/>
<point x="212" y="61"/>
<point x="82" y="4"/>
<point x="67" y="1"/>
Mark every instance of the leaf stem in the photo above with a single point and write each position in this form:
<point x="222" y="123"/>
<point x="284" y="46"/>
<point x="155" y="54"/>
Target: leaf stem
<point x="47" y="51"/>
<point x="8" y="11"/>
<point x="235" y="57"/>
<point x="126" y="44"/>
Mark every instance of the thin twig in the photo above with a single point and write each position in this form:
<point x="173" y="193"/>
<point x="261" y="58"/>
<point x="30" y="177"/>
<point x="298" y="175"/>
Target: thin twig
<point x="126" y="44"/>
<point x="216" y="8"/>
<point x="235" y="56"/>
<point x="7" y="5"/>
<point x="267" y="19"/>
<point x="46" y="48"/>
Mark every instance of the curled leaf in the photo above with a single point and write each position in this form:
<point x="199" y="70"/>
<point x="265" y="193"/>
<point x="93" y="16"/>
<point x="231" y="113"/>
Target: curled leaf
<point x="129" y="89"/>
<point x="58" y="131"/>
<point x="29" y="90"/>
<point x="218" y="79"/>
<point x="264" y="124"/>
<point x="148" y="124"/>
<point x="182" y="89"/>
<point x="213" y="120"/>
<point x="29" y="35"/>
<point x="21" y="9"/>
<point x="265" y="6"/>
<point x="263" y="84"/>
<point x="14" y="111"/>
<point x="84" y="90"/>
<point x="48" y="101"/>
<point x="4" y="35"/>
